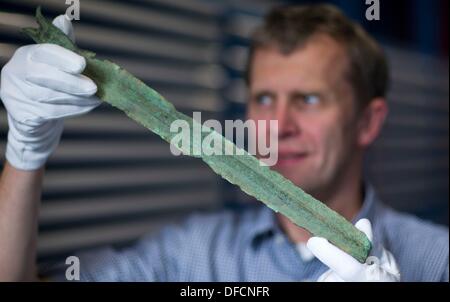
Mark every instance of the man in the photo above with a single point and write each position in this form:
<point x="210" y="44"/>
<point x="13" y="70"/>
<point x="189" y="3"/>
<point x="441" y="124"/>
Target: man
<point x="312" y="69"/>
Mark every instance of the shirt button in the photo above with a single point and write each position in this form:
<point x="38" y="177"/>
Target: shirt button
<point x="279" y="239"/>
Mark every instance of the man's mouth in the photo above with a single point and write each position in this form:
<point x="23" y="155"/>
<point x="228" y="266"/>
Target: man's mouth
<point x="290" y="158"/>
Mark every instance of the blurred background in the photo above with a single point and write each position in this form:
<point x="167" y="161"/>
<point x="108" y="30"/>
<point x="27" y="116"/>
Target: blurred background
<point x="111" y="180"/>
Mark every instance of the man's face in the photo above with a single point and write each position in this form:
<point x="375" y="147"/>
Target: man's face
<point x="308" y="93"/>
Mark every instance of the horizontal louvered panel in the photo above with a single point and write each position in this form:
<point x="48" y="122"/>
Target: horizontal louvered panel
<point x="414" y="143"/>
<point x="235" y="57"/>
<point x="109" y="151"/>
<point x="424" y="120"/>
<point x="99" y="39"/>
<point x="96" y="37"/>
<point x="411" y="96"/>
<point x="68" y="240"/>
<point x="409" y="163"/>
<point x="426" y="199"/>
<point x="433" y="164"/>
<point x="209" y="76"/>
<point x="112" y="150"/>
<point x="242" y="25"/>
<point x="123" y="176"/>
<point x="412" y="185"/>
<point x="420" y="70"/>
<point x="140" y="16"/>
<point x="81" y="209"/>
<point x="114" y="126"/>
<point x="406" y="178"/>
<point x="6" y="51"/>
<point x="379" y="157"/>
<point x="205" y="8"/>
<point x="110" y="179"/>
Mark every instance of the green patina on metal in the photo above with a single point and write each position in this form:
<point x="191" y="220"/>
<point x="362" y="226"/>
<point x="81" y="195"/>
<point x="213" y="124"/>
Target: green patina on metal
<point x="122" y="90"/>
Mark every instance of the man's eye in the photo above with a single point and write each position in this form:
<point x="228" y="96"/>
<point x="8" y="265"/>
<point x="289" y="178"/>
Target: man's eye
<point x="311" y="99"/>
<point x="264" y="100"/>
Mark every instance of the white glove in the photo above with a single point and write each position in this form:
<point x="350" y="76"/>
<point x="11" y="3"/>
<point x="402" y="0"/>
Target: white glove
<point x="344" y="267"/>
<point x="41" y="85"/>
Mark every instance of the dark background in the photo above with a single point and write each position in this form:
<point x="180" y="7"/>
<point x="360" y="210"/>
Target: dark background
<point x="112" y="180"/>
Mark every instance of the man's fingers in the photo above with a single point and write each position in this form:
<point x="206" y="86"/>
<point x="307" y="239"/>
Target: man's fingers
<point x="344" y="265"/>
<point x="60" y="98"/>
<point x="47" y="112"/>
<point x="55" y="79"/>
<point x="365" y="226"/>
<point x="58" y="57"/>
<point x="64" y="24"/>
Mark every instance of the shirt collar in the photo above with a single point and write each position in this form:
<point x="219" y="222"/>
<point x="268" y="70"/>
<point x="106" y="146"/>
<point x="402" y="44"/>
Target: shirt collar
<point x="265" y="223"/>
<point x="369" y="205"/>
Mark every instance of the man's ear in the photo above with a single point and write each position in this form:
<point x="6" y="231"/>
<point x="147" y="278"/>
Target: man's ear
<point x="371" y="121"/>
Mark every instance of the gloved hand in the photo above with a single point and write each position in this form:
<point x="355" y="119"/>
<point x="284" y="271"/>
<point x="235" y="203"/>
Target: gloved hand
<point x="344" y="267"/>
<point x="41" y="85"/>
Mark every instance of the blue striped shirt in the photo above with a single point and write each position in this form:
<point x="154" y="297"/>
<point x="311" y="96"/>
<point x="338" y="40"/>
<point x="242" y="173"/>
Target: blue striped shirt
<point x="248" y="245"/>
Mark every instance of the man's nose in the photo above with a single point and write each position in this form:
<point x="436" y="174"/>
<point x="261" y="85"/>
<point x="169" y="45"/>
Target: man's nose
<point x="287" y="124"/>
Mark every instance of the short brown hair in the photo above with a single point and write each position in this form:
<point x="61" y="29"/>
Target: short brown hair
<point x="288" y="28"/>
